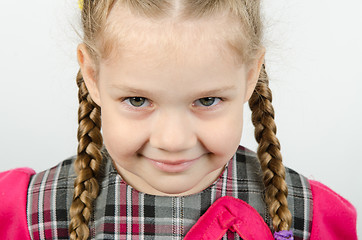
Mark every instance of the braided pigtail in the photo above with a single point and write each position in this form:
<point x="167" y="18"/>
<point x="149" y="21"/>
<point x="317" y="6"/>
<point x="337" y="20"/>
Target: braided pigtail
<point x="269" y="155"/>
<point x="87" y="164"/>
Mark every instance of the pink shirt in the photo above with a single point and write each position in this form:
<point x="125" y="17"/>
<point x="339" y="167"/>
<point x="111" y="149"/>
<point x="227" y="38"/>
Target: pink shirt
<point x="333" y="216"/>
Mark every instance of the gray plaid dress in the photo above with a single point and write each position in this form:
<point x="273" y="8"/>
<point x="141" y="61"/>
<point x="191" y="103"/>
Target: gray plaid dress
<point x="121" y="212"/>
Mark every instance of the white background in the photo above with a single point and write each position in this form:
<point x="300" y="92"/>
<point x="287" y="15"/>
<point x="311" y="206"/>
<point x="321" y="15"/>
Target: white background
<point x="313" y="59"/>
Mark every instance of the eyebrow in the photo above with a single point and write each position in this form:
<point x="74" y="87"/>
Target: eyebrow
<point x="216" y="91"/>
<point x="144" y="92"/>
<point x="130" y="89"/>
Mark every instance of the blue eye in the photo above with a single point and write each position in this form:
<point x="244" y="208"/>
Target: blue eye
<point x="137" y="102"/>
<point x="207" y="101"/>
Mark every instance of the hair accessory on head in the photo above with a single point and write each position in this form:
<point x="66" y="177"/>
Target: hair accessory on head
<point x="80" y="4"/>
<point x="284" y="235"/>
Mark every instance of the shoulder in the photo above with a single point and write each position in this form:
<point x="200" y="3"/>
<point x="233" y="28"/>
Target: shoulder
<point x="300" y="200"/>
<point x="299" y="193"/>
<point x="13" y="195"/>
<point x="18" y="187"/>
<point x="298" y="185"/>
<point x="333" y="216"/>
<point x="53" y="181"/>
<point x="13" y="181"/>
<point x="60" y="177"/>
<point x="316" y="209"/>
<point x="12" y="175"/>
<point x="48" y="195"/>
<point x="63" y="172"/>
<point x="299" y="190"/>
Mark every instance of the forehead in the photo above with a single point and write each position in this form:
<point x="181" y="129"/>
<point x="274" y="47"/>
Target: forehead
<point x="127" y="35"/>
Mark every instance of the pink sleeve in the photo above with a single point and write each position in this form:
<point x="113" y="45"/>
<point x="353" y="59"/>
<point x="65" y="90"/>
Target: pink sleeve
<point x="13" y="197"/>
<point x="333" y="216"/>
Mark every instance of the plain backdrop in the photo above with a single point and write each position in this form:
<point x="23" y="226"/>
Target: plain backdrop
<point x="313" y="59"/>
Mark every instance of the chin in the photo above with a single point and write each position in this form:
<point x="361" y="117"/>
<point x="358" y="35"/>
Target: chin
<point x="174" y="192"/>
<point x="176" y="189"/>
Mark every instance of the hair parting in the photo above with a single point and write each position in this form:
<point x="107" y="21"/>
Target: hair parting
<point x="87" y="165"/>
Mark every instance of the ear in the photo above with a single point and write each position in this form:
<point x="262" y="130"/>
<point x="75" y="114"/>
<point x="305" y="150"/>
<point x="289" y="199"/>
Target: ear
<point x="88" y="70"/>
<point x="253" y="73"/>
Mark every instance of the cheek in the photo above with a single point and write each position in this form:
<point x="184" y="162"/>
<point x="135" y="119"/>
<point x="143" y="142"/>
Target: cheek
<point x="222" y="135"/>
<point x="122" y="137"/>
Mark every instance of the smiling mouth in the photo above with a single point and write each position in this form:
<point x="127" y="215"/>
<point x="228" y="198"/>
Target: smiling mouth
<point x="172" y="166"/>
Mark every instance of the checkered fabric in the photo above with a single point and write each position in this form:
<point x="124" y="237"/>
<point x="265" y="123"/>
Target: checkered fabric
<point x="122" y="212"/>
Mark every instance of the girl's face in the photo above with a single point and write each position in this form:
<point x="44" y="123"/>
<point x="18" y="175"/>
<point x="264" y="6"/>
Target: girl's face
<point x="172" y="106"/>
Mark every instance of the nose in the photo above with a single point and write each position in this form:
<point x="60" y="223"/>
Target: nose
<point x="173" y="131"/>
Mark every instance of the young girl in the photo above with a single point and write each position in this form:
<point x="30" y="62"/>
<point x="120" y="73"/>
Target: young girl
<point x="167" y="82"/>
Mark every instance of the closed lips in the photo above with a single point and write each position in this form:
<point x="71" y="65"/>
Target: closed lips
<point x="169" y="166"/>
<point x="172" y="162"/>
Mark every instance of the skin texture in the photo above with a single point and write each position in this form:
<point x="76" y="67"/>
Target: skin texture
<point x="170" y="69"/>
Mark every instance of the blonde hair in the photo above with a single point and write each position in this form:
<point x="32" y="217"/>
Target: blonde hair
<point x="246" y="43"/>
